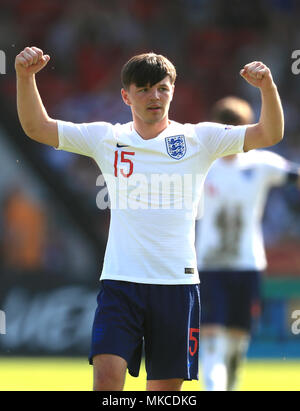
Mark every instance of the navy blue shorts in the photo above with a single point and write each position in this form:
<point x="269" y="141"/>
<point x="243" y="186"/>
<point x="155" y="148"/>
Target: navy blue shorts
<point x="230" y="298"/>
<point x="165" y="318"/>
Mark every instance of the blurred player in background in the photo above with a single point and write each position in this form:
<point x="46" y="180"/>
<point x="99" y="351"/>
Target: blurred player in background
<point x="230" y="248"/>
<point x="149" y="289"/>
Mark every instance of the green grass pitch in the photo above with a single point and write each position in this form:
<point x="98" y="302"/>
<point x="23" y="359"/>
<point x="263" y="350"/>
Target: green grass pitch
<point x="75" y="374"/>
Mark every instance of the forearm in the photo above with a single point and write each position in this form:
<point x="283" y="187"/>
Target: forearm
<point x="270" y="128"/>
<point x="271" y="122"/>
<point x="31" y="111"/>
<point x="32" y="114"/>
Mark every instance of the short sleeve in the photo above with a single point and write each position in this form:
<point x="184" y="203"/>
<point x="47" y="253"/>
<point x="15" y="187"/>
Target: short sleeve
<point x="82" y="138"/>
<point x="221" y="140"/>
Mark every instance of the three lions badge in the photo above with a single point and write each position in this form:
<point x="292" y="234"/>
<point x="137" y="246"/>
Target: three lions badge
<point x="176" y="146"/>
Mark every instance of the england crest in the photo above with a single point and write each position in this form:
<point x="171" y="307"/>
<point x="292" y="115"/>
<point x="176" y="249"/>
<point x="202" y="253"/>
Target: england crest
<point x="176" y="146"/>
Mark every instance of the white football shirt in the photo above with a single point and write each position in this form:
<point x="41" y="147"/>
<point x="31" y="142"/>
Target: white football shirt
<point x="154" y="187"/>
<point x="229" y="236"/>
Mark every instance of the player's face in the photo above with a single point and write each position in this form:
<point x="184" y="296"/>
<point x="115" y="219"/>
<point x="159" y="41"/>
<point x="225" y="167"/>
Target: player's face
<point x="150" y="104"/>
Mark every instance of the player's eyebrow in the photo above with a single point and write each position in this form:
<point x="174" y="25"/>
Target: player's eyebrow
<point x="163" y="84"/>
<point x="160" y="84"/>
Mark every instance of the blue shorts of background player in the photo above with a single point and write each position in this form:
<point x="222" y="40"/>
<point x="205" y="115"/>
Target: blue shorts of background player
<point x="230" y="298"/>
<point x="164" y="319"/>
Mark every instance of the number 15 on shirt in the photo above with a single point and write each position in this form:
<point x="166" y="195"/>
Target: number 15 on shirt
<point x="123" y="159"/>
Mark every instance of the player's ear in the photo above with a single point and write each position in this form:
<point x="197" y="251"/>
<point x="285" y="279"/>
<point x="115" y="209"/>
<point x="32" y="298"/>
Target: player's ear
<point x="125" y="97"/>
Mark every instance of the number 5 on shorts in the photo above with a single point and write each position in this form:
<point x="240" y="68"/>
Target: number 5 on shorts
<point x="194" y="336"/>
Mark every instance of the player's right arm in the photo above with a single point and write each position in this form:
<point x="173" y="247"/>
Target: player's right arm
<point x="32" y="114"/>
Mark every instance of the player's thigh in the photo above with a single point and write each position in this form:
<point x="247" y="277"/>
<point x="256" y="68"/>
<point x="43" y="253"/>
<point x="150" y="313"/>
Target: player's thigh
<point x="118" y="323"/>
<point x="109" y="372"/>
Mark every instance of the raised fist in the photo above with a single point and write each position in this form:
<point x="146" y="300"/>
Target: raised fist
<point x="30" y="61"/>
<point x="257" y="74"/>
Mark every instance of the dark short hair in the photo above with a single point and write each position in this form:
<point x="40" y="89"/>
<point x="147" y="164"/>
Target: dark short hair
<point x="147" y="69"/>
<point x="232" y="110"/>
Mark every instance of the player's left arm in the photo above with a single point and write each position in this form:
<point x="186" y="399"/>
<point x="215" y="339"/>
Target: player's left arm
<point x="269" y="130"/>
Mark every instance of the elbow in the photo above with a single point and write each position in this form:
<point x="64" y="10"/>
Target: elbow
<point x="31" y="133"/>
<point x="45" y="132"/>
<point x="277" y="137"/>
<point x="278" y="133"/>
<point x="280" y="137"/>
<point x="34" y="131"/>
<point x="274" y="137"/>
<point x="29" y="129"/>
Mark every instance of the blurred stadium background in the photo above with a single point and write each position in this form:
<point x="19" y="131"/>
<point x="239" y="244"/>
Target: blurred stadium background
<point x="52" y="235"/>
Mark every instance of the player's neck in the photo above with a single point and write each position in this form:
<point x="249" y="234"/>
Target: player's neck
<point x="150" y="130"/>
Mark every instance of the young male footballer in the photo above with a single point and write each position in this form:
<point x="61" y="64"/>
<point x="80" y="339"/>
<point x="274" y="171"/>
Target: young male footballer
<point x="149" y="289"/>
<point x="230" y="249"/>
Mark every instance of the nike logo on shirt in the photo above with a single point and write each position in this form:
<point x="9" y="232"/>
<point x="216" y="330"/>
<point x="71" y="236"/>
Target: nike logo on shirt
<point x="122" y="145"/>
